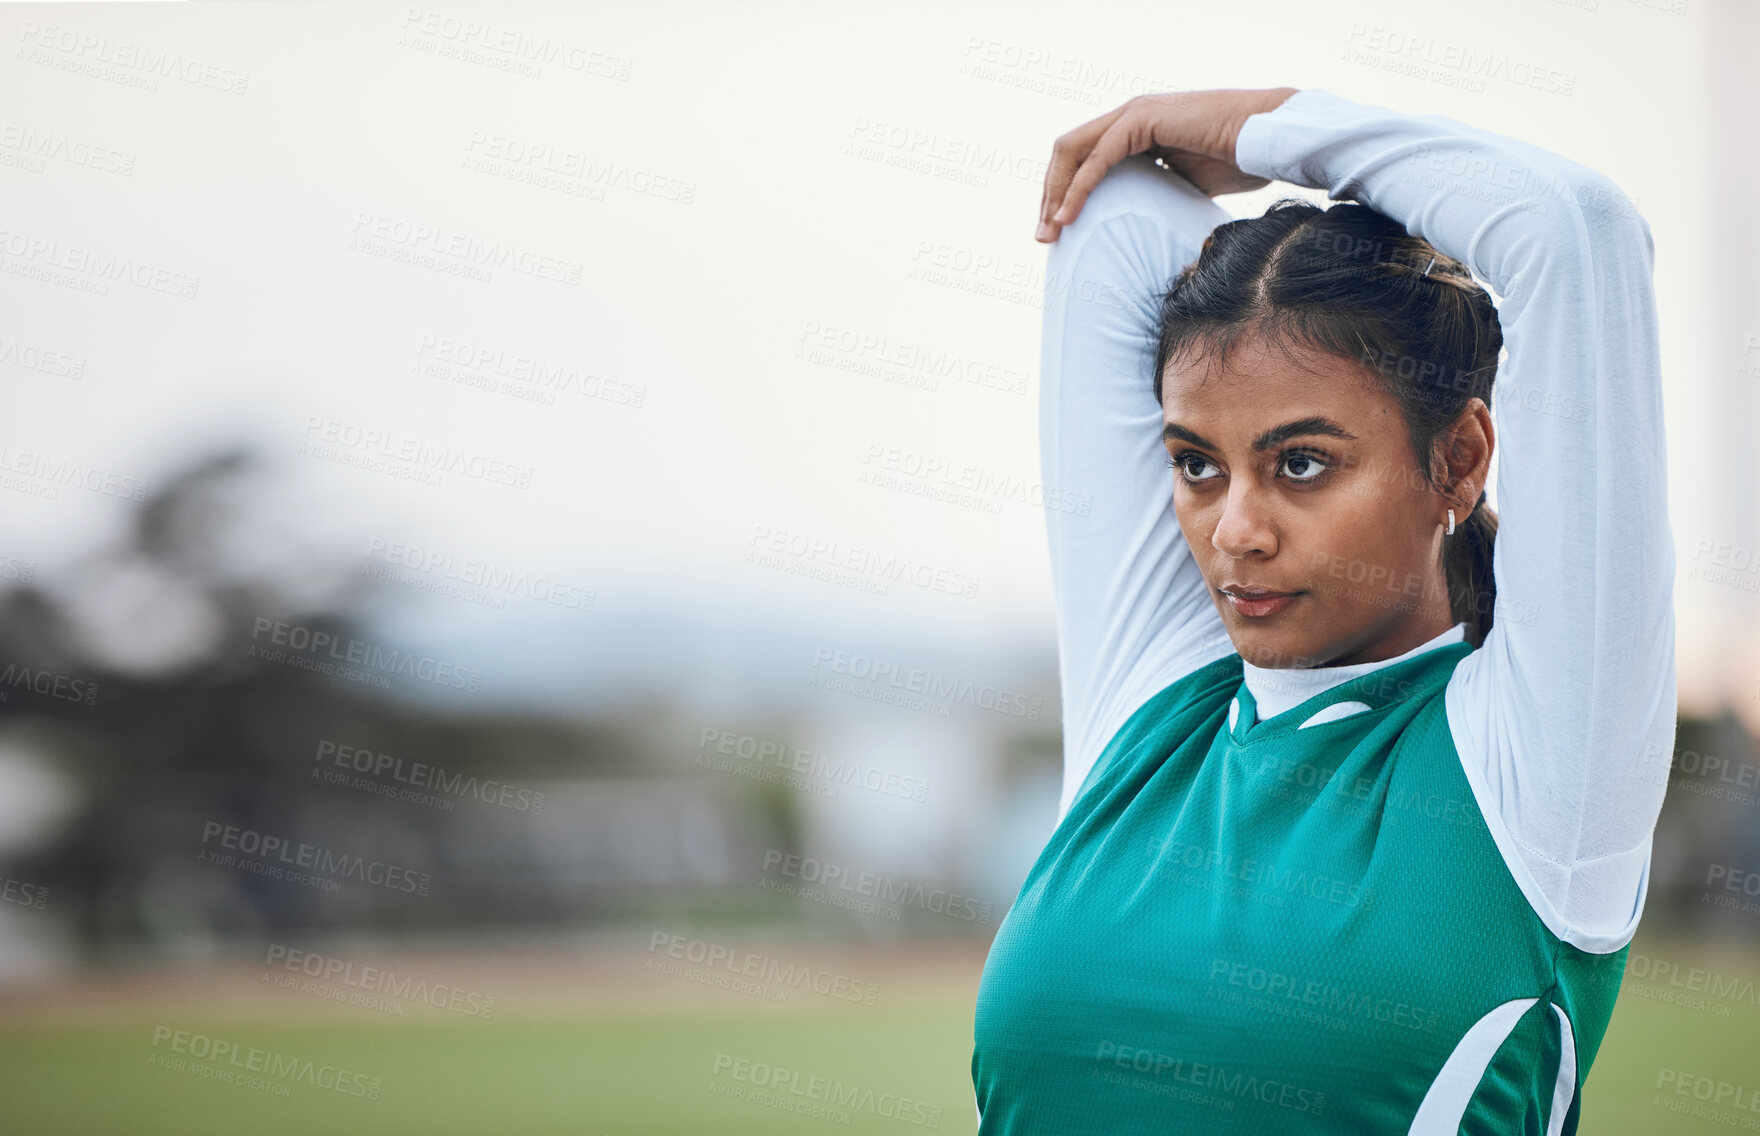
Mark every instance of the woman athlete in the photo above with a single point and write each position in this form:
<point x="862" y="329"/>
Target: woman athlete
<point x="1338" y="851"/>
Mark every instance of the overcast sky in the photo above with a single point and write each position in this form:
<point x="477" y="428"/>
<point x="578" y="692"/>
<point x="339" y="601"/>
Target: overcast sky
<point x="691" y="196"/>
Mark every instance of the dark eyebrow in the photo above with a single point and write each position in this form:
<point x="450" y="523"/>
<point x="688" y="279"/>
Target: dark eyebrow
<point x="1315" y="424"/>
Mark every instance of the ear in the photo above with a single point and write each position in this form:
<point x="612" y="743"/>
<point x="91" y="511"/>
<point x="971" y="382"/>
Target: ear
<point x="1467" y="447"/>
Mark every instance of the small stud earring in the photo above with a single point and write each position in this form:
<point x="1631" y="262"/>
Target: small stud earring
<point x="1451" y="522"/>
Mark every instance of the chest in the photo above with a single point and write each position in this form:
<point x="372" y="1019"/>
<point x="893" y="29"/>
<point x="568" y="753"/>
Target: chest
<point x="1265" y="919"/>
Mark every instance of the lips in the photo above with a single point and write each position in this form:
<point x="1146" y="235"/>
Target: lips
<point x="1254" y="593"/>
<point x="1257" y="602"/>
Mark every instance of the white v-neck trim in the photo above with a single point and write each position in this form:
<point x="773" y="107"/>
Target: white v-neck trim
<point x="1276" y="689"/>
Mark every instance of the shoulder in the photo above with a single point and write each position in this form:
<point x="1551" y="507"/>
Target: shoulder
<point x="1176" y="710"/>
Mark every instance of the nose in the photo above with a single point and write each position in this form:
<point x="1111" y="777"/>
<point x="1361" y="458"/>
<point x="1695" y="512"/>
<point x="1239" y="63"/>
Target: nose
<point x="1245" y="528"/>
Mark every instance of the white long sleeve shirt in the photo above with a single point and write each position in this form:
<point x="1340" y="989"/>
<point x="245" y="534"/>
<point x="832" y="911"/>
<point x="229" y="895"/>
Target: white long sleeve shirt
<point x="1565" y="716"/>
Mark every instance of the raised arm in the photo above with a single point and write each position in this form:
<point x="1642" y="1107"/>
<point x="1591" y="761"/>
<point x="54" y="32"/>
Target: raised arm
<point x="1132" y="611"/>
<point x="1565" y="717"/>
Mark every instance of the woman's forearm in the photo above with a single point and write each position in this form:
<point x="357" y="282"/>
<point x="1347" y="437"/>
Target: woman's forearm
<point x="1132" y="610"/>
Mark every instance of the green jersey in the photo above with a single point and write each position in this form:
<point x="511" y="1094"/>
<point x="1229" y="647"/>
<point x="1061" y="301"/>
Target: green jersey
<point x="1247" y="926"/>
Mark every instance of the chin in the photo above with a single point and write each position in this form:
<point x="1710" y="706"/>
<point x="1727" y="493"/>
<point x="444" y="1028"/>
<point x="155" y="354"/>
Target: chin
<point x="1273" y="647"/>
<point x="1255" y="644"/>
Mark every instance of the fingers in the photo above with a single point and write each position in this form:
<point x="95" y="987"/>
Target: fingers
<point x="1194" y="132"/>
<point x="1046" y="231"/>
<point x="1113" y="147"/>
<point x="1067" y="155"/>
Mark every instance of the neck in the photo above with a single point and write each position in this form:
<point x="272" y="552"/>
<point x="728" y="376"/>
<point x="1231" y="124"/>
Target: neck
<point x="1276" y="689"/>
<point x="1412" y="634"/>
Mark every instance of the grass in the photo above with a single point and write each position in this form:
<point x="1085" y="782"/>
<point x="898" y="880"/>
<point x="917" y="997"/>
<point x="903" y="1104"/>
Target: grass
<point x="611" y="1050"/>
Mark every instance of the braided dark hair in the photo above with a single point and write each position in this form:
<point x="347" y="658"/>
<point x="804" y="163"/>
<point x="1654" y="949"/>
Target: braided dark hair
<point x="1354" y="283"/>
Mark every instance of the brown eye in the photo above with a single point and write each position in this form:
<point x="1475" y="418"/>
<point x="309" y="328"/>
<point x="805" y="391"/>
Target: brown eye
<point x="1305" y="466"/>
<point x="1183" y="461"/>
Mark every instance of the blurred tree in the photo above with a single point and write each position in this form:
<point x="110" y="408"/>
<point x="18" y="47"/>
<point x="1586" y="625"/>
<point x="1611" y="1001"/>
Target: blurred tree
<point x="133" y="676"/>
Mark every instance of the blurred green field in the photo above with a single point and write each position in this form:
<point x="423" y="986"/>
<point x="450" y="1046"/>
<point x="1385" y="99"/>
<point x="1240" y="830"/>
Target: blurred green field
<point x="618" y="1052"/>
